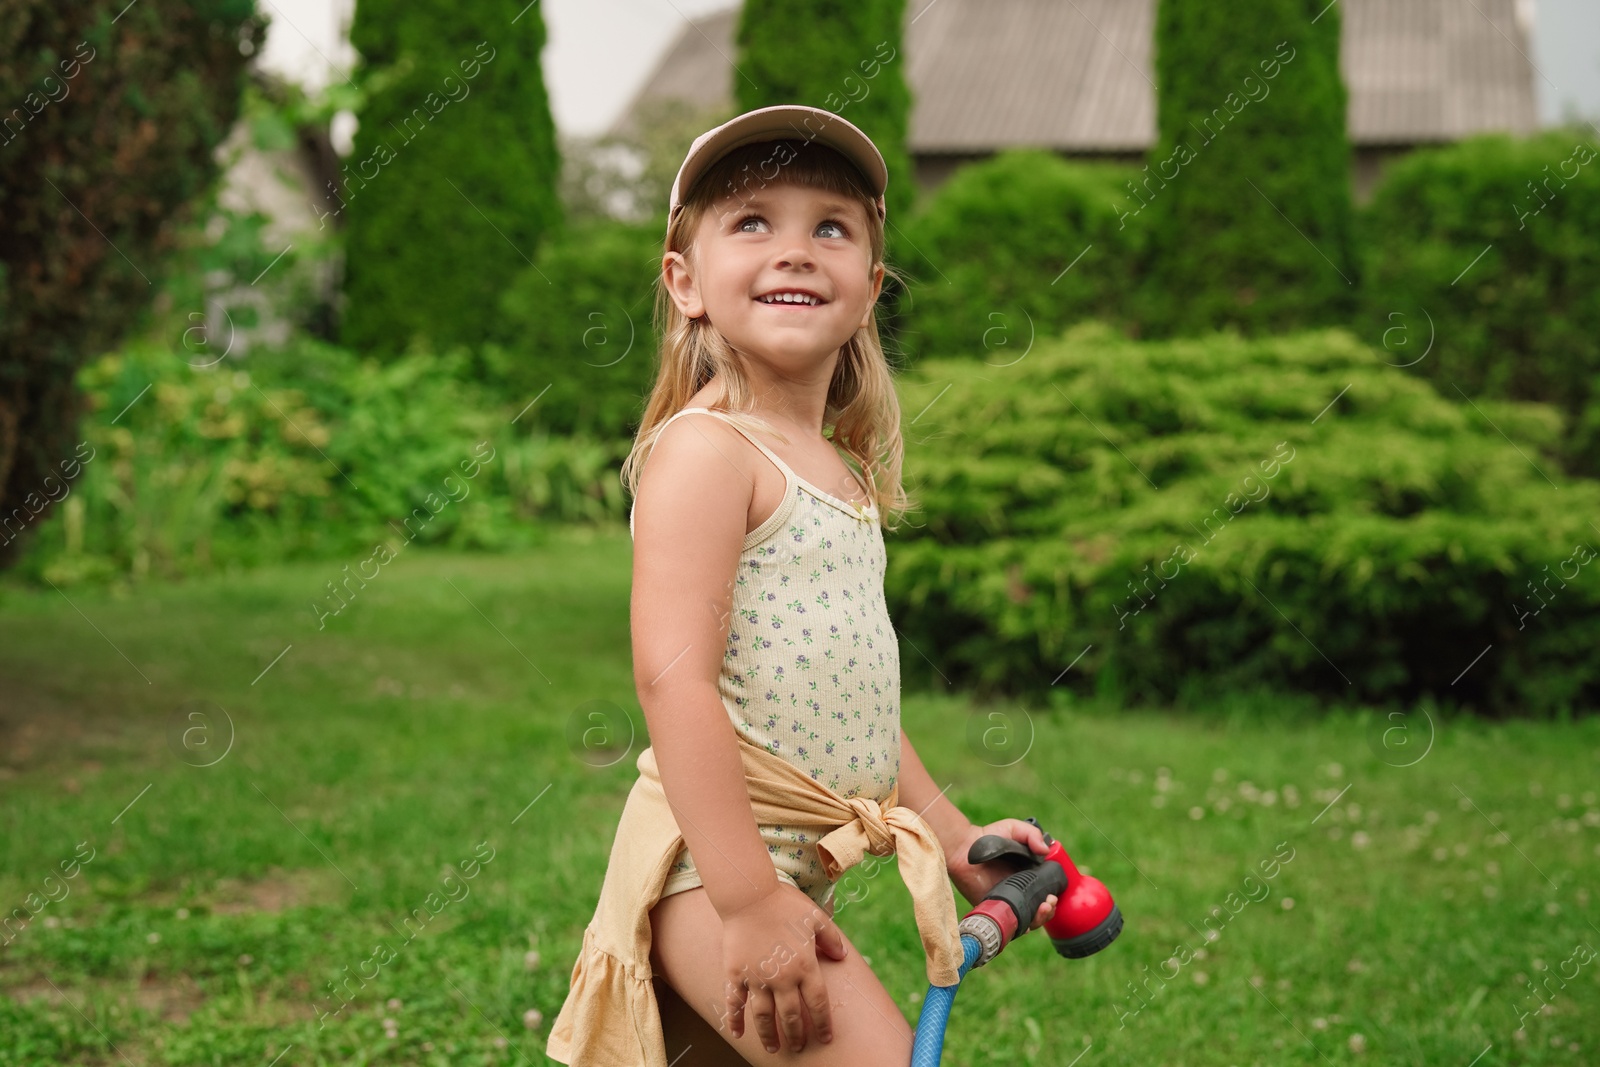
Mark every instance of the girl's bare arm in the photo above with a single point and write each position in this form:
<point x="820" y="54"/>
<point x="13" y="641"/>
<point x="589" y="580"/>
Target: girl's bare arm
<point x="689" y="527"/>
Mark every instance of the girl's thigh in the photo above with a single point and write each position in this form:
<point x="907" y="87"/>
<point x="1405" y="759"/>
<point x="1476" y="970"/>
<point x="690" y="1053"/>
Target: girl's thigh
<point x="686" y="953"/>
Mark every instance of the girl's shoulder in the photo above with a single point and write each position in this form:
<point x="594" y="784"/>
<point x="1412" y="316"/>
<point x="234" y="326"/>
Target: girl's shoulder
<point x="699" y="465"/>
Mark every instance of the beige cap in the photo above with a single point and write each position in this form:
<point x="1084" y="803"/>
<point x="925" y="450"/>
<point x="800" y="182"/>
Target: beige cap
<point x="780" y="122"/>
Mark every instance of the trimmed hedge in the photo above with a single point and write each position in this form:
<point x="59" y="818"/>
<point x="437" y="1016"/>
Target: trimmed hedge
<point x="1486" y="249"/>
<point x="1251" y="149"/>
<point x="451" y="185"/>
<point x="1201" y="516"/>
<point x="844" y="56"/>
<point x="989" y="255"/>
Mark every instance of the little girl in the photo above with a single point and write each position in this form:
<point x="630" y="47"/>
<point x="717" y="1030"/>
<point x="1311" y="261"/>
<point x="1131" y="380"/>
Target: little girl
<point x="764" y="658"/>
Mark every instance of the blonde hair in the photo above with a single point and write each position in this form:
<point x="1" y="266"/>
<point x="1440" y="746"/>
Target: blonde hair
<point x="861" y="405"/>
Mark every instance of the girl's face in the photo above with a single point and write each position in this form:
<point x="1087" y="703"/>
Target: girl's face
<point x="780" y="239"/>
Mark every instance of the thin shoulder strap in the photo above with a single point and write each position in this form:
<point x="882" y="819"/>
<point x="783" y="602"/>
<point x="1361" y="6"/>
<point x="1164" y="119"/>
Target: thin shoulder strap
<point x="723" y="415"/>
<point x="789" y="476"/>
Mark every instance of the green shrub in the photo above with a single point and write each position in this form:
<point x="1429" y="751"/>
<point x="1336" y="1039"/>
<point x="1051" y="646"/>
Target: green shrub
<point x="1196" y="516"/>
<point x="311" y="453"/>
<point x="989" y="255"/>
<point x="577" y="330"/>
<point x="1486" y="251"/>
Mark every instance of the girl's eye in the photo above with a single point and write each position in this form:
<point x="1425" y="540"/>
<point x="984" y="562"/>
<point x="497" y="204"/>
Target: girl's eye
<point x="740" y="226"/>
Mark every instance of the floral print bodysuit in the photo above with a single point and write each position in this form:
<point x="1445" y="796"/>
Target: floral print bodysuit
<point x="811" y="671"/>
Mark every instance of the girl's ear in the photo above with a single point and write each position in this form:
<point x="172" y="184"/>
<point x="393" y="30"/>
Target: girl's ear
<point x="877" y="287"/>
<point x="681" y="285"/>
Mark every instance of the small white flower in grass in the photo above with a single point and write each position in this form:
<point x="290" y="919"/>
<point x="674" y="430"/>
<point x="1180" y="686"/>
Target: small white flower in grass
<point x="1200" y="953"/>
<point x="501" y="1042"/>
<point x="1359" y="839"/>
<point x="1201" y="978"/>
<point x="1552" y="908"/>
<point x="1358" y="1044"/>
<point x="1320" y="1024"/>
<point x="51" y="922"/>
<point x="182" y="913"/>
<point x="1335" y="770"/>
<point x="1257" y="981"/>
<point x="152" y="937"/>
<point x="532" y="1018"/>
<point x="1286" y="903"/>
<point x="427" y="1046"/>
<point x="1269" y="798"/>
<point x="530" y="960"/>
<point x="393" y="1004"/>
<point x="1555" y="1042"/>
<point x="245" y="959"/>
<point x="1355" y="966"/>
<point x="1212" y="935"/>
<point x="1441" y="854"/>
<point x="1520" y="1035"/>
<point x="1461" y="848"/>
<point x="389" y="1024"/>
<point x="1430" y="817"/>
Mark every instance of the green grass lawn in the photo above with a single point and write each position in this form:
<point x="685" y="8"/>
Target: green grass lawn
<point x="252" y="806"/>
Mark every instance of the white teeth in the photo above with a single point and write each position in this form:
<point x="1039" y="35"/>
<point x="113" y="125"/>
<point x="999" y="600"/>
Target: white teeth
<point x="789" y="298"/>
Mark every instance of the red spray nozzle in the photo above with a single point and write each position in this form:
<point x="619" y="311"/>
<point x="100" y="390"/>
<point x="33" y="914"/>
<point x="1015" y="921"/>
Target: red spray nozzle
<point x="1086" y="918"/>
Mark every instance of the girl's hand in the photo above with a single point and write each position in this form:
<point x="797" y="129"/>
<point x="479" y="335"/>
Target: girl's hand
<point x="769" y="954"/>
<point x="974" y="882"/>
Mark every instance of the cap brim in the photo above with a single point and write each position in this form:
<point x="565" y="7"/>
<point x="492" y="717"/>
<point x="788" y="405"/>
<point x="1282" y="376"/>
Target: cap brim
<point x="783" y="122"/>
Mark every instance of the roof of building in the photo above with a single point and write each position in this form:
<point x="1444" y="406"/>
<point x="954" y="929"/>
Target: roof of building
<point x="1077" y="76"/>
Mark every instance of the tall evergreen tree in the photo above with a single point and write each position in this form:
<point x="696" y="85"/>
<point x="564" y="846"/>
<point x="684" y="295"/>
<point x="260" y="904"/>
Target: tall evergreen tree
<point x="842" y="55"/>
<point x="1247" y="191"/>
<point x="113" y="112"/>
<point x="452" y="183"/>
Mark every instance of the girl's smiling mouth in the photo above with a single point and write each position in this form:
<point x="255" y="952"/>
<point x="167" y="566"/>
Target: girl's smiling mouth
<point x="791" y="298"/>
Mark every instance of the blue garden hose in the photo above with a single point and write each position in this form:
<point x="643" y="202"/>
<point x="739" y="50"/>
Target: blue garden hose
<point x="929" y="1045"/>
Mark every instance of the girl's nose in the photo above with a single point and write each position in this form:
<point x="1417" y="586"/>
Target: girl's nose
<point x="797" y="254"/>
